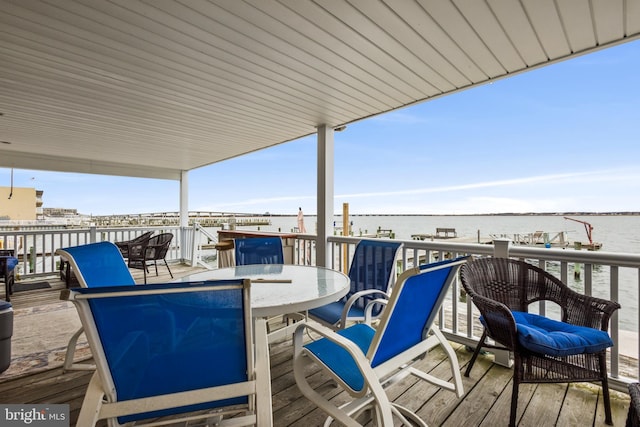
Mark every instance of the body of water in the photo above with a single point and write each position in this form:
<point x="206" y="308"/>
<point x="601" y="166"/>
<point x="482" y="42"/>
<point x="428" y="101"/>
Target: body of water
<point x="617" y="233"/>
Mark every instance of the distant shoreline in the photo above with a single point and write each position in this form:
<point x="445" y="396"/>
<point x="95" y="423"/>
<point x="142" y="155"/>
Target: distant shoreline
<point x="195" y="214"/>
<point x="478" y="214"/>
<point x="516" y="214"/>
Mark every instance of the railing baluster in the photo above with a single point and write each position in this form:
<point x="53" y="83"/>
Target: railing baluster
<point x="615" y="336"/>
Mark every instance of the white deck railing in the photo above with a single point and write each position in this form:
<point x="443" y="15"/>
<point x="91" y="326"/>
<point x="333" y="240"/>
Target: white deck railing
<point x="608" y="275"/>
<point x="618" y="269"/>
<point x="36" y="247"/>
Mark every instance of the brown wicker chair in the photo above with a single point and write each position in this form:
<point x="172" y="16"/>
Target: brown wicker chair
<point x="124" y="246"/>
<point x="500" y="288"/>
<point x="154" y="249"/>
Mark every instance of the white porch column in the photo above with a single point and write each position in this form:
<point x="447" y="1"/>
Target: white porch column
<point x="184" y="212"/>
<point x="184" y="199"/>
<point x="325" y="194"/>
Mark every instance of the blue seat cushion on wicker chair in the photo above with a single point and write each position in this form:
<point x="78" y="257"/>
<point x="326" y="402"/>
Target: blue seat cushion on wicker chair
<point x="540" y="334"/>
<point x="338" y="359"/>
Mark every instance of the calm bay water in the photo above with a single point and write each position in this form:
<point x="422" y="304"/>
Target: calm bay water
<point x="619" y="233"/>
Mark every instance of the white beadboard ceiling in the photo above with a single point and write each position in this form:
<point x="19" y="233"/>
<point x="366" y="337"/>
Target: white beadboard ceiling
<point x="151" y="88"/>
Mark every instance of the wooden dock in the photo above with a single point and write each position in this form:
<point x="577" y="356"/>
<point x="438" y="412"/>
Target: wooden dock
<point x="450" y="235"/>
<point x="485" y="403"/>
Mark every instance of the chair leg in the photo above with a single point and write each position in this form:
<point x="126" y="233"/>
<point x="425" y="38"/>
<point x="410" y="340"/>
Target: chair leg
<point x="170" y="273"/>
<point x="518" y="375"/>
<point x="144" y="271"/>
<point x="605" y="390"/>
<point x="70" y="353"/>
<point x="476" y="352"/>
<point x="514" y="399"/>
<point x="92" y="403"/>
<point x="71" y="348"/>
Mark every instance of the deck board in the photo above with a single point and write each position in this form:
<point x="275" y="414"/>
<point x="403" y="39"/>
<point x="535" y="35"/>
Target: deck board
<point x="486" y="401"/>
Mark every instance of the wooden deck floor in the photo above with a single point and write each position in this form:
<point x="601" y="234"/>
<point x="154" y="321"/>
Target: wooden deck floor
<point x="485" y="403"/>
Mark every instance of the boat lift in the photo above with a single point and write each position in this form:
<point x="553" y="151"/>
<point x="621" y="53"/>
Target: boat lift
<point x="588" y="228"/>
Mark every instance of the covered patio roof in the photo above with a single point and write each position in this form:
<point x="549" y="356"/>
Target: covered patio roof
<point x="153" y="88"/>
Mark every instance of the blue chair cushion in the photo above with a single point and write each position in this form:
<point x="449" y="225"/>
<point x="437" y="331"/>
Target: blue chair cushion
<point x="11" y="262"/>
<point x="332" y="312"/>
<point x="540" y="334"/>
<point x="338" y="359"/>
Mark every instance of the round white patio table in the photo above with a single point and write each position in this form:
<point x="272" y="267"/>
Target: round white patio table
<point x="281" y="289"/>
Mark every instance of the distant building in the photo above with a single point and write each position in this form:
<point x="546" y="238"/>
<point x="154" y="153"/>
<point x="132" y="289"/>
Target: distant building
<point x="60" y="213"/>
<point x="21" y="203"/>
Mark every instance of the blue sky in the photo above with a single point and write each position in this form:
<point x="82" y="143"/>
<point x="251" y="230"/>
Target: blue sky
<point x="560" y="138"/>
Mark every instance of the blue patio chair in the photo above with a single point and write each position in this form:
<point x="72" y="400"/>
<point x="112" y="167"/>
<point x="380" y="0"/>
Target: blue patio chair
<point x="372" y="273"/>
<point x="259" y="250"/>
<point x="263" y="250"/>
<point x="95" y="265"/>
<point x="363" y="360"/>
<point x="180" y="350"/>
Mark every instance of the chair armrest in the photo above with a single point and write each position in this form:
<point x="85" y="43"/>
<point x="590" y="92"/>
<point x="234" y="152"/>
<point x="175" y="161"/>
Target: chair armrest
<point x="584" y="310"/>
<point x="368" y="316"/>
<point x="328" y="333"/>
<point x="498" y="321"/>
<point x="355" y="297"/>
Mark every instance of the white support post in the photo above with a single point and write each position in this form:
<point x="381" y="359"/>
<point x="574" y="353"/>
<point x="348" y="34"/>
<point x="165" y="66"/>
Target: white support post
<point x="184" y="212"/>
<point x="325" y="174"/>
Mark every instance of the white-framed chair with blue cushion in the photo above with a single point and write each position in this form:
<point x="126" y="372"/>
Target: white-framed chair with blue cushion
<point x="545" y="350"/>
<point x="258" y="250"/>
<point x="95" y="265"/>
<point x="175" y="351"/>
<point x="363" y="360"/>
<point x="372" y="272"/>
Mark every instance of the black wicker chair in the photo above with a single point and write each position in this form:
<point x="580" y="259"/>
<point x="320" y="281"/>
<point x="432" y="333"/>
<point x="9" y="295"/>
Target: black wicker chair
<point x="153" y="250"/>
<point x="124" y="246"/>
<point x="502" y="289"/>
